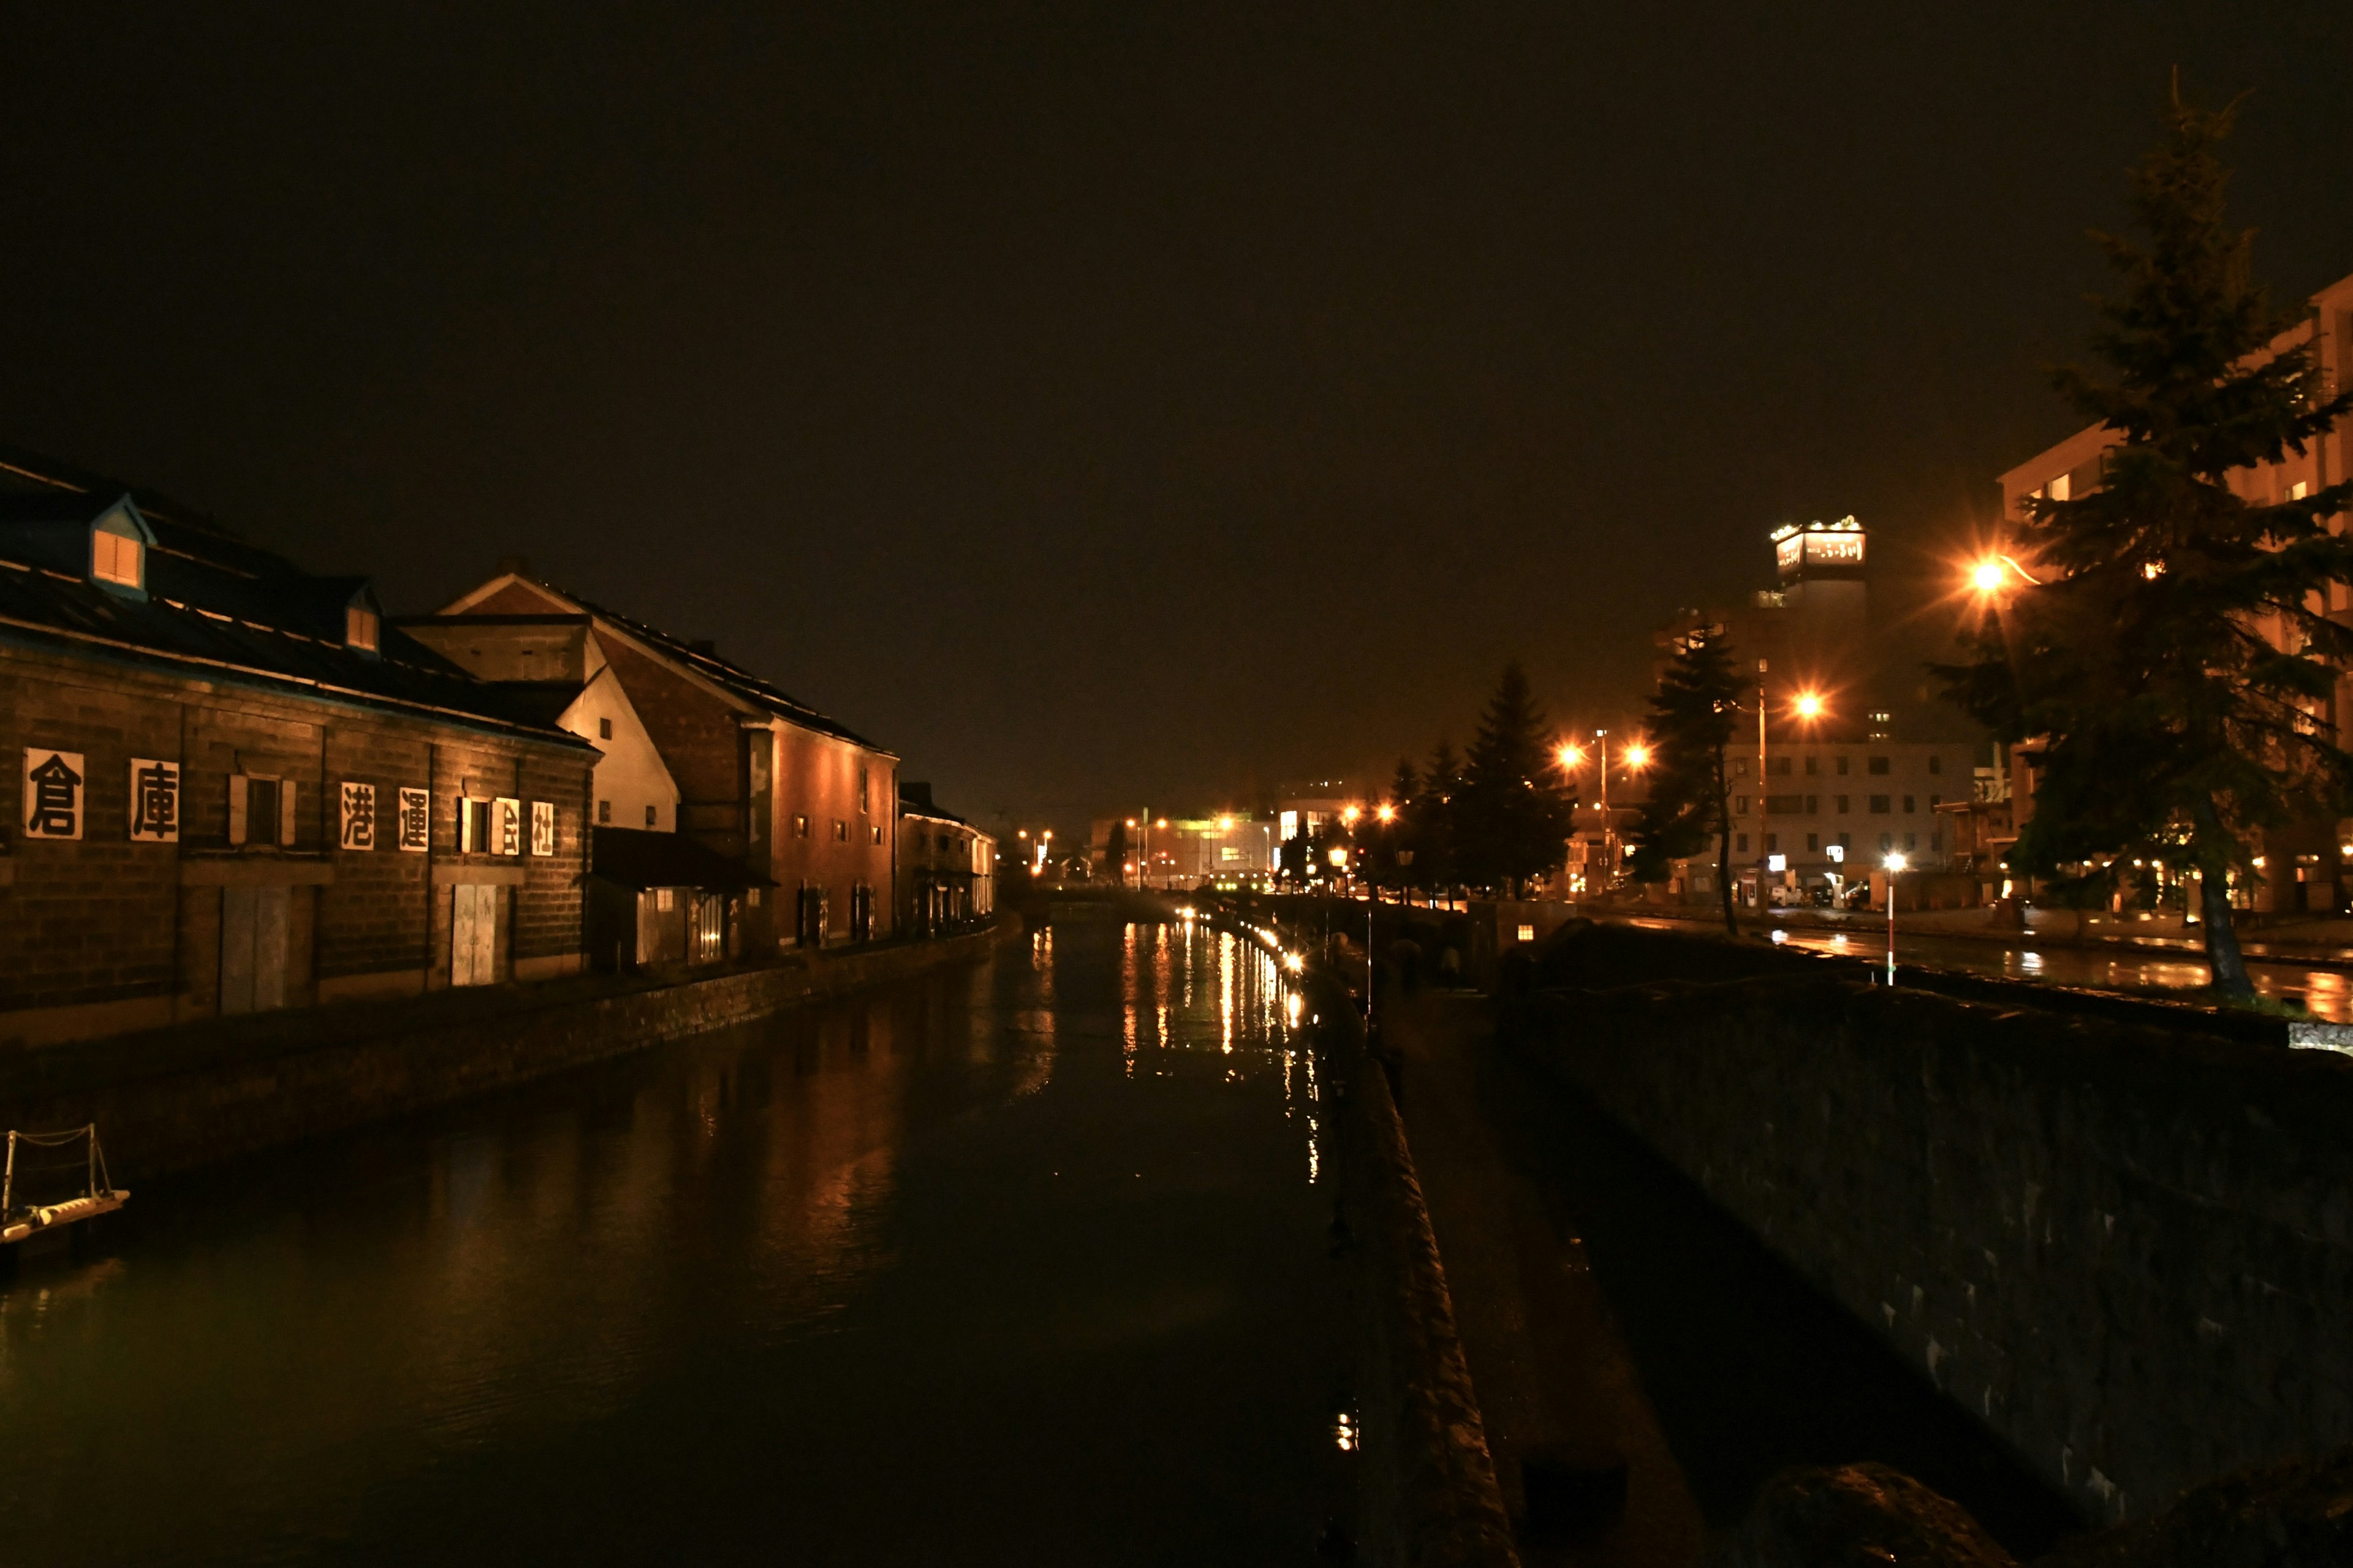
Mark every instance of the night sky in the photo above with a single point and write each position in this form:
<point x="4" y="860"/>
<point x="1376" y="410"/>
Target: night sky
<point x="1109" y="404"/>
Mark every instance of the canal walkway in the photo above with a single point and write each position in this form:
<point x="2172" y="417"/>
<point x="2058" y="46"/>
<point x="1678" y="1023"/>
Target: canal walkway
<point x="1604" y="1304"/>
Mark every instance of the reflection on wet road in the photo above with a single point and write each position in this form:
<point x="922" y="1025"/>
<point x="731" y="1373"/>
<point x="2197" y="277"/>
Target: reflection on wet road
<point x="2326" y="992"/>
<point x="1019" y="1263"/>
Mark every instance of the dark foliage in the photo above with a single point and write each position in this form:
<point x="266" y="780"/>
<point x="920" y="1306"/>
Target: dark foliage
<point x="1691" y="718"/>
<point x="2175" y="663"/>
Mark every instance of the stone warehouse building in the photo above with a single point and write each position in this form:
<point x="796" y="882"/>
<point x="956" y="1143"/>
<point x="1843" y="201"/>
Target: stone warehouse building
<point x="806" y="805"/>
<point x="948" y="867"/>
<point x="232" y="787"/>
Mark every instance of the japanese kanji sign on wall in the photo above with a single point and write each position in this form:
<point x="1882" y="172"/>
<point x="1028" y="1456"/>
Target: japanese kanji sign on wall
<point x="416" y="820"/>
<point x="506" y="827"/>
<point x="542" y="827"/>
<point x="359" y="816"/>
<point x="54" y="793"/>
<point x="154" y="801"/>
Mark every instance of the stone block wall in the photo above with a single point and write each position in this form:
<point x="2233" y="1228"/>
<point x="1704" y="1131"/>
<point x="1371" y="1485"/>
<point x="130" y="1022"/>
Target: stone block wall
<point x="2127" y="1251"/>
<point x="102" y="934"/>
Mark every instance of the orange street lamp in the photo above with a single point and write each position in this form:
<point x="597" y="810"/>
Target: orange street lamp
<point x="1809" y="705"/>
<point x="1638" y="756"/>
<point x="1572" y="757"/>
<point x="1386" y="812"/>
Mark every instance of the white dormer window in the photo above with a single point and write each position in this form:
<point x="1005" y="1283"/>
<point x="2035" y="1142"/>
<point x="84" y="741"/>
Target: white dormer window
<point x="117" y="558"/>
<point x="360" y="626"/>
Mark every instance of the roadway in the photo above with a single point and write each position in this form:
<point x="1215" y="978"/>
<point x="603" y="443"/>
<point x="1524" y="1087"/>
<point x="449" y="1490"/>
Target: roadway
<point x="2133" y="963"/>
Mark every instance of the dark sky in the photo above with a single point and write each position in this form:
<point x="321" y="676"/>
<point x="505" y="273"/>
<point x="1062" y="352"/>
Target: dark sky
<point x="1104" y="404"/>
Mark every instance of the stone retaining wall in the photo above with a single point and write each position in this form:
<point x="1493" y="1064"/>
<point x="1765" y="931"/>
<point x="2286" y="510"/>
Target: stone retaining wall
<point x="1427" y="1495"/>
<point x="177" y="1098"/>
<point x="2128" y="1251"/>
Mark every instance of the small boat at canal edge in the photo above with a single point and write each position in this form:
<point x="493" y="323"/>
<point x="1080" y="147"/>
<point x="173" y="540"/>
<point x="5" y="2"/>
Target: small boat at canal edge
<point x="26" y="1167"/>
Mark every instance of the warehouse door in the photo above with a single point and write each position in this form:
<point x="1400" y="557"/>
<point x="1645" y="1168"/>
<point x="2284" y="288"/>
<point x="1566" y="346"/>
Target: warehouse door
<point x="474" y="934"/>
<point x="253" y="949"/>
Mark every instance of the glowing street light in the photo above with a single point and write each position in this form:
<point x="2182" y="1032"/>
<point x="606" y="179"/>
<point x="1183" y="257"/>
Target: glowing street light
<point x="1349" y="814"/>
<point x="1572" y="757"/>
<point x="1809" y="705"/>
<point x="1638" y="756"/>
<point x="1385" y="812"/>
<point x="1991" y="574"/>
<point x="1225" y="824"/>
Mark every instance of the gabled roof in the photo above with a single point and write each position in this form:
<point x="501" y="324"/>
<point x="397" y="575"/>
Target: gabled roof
<point x="730" y="678"/>
<point x="637" y="858"/>
<point x="215" y="607"/>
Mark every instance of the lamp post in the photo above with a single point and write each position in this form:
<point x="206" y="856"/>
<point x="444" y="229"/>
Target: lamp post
<point x="1895" y="863"/>
<point x="1609" y="862"/>
<point x="1764" y="861"/>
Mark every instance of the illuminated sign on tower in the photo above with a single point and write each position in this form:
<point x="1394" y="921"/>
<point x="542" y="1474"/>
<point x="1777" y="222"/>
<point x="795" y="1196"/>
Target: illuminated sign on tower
<point x="1826" y="548"/>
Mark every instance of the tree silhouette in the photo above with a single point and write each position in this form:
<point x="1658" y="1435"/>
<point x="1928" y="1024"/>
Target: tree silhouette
<point x="2177" y="662"/>
<point x="1515" y="818"/>
<point x="1691" y="718"/>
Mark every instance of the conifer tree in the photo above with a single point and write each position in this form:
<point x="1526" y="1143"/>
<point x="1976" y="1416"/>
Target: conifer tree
<point x="1397" y="858"/>
<point x="1433" y="819"/>
<point x="1691" y="719"/>
<point x="2175" y="661"/>
<point x="1516" y="816"/>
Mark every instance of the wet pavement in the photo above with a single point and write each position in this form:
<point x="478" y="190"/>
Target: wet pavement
<point x="2326" y="992"/>
<point x="1017" y="1263"/>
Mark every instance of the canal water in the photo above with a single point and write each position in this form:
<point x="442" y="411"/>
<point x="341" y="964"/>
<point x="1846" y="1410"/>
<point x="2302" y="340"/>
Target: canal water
<point x="1023" y="1262"/>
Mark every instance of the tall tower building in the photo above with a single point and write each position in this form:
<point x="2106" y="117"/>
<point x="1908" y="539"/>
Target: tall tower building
<point x="1812" y="629"/>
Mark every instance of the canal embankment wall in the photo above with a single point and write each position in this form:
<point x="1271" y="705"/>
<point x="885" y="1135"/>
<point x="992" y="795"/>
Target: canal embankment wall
<point x="169" y="1100"/>
<point x="1428" y="1494"/>
<point x="2127" y="1250"/>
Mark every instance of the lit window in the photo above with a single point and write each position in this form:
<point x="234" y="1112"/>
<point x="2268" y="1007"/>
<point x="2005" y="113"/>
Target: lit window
<point x="115" y="558"/>
<point x="1527" y="933"/>
<point x="840" y="831"/>
<point x="360" y="630"/>
<point x="800" y="827"/>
